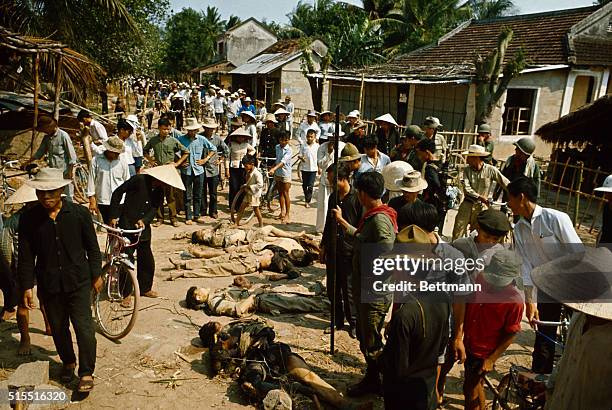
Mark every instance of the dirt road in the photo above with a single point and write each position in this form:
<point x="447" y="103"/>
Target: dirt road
<point x="160" y="345"/>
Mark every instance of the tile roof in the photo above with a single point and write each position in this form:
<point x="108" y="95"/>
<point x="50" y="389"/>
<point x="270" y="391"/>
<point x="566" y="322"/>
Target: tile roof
<point x="543" y="37"/>
<point x="591" y="51"/>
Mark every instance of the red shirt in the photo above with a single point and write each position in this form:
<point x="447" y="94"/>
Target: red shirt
<point x="487" y="320"/>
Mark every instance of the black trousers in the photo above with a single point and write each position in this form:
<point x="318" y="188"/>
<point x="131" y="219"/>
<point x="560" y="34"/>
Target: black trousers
<point x="344" y="308"/>
<point x="104" y="212"/>
<point x="543" y="349"/>
<point x="308" y="181"/>
<point x="149" y="116"/>
<point x="412" y="393"/>
<point x="74" y="307"/>
<point x="8" y="285"/>
<point x="237" y="179"/>
<point x="209" y="195"/>
<point x="145" y="265"/>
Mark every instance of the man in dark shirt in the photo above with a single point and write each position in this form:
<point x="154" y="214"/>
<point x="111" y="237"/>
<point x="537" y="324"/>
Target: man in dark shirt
<point x="605" y="236"/>
<point x="58" y="244"/>
<point x="416" y="337"/>
<point x="351" y="211"/>
<point x="411" y="185"/>
<point x="435" y="193"/>
<point x="143" y="195"/>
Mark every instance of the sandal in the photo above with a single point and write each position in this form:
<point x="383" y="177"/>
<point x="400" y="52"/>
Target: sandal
<point x="67" y="374"/>
<point x="85" y="385"/>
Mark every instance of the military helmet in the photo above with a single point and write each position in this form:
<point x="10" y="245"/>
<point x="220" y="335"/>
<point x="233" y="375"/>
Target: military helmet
<point x="526" y="145"/>
<point x="484" y="129"/>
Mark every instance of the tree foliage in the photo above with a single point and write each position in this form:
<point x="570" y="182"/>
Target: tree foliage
<point x="352" y="40"/>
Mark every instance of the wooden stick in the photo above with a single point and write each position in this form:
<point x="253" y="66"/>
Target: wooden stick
<point x="601" y="204"/>
<point x="36" y="90"/>
<point x="58" y="87"/>
<point x="561" y="182"/>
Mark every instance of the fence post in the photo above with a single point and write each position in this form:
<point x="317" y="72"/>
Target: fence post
<point x="577" y="209"/>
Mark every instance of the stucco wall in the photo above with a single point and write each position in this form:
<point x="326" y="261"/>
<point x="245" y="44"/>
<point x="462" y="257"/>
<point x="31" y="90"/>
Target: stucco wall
<point x="294" y="83"/>
<point x="246" y="41"/>
<point x="549" y="98"/>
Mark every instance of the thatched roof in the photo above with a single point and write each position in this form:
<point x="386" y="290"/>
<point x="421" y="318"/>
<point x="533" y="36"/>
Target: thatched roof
<point x="591" y="123"/>
<point x="78" y="71"/>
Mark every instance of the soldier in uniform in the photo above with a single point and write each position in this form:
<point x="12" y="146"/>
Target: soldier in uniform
<point x="406" y="150"/>
<point x="435" y="193"/>
<point x="522" y="163"/>
<point x="484" y="139"/>
<point x="431" y="126"/>
<point x="478" y="178"/>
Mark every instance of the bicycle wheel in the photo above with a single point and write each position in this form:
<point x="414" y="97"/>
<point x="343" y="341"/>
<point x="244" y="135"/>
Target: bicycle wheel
<point x="114" y="317"/>
<point x="509" y="396"/>
<point x="81" y="175"/>
<point x="271" y="197"/>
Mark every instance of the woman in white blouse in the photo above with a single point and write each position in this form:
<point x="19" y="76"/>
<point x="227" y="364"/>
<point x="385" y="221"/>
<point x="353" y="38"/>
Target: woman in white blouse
<point x="238" y="148"/>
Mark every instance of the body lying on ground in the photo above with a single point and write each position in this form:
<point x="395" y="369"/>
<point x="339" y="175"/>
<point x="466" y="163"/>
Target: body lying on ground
<point x="268" y="362"/>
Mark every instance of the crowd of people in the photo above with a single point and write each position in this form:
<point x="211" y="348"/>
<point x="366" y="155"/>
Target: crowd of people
<point x="386" y="189"/>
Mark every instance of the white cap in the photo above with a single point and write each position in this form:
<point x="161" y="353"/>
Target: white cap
<point x="353" y="114"/>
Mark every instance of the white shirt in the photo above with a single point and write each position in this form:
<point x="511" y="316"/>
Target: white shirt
<point x="549" y="235"/>
<point x="309" y="152"/>
<point x="304" y="127"/>
<point x="368" y="163"/>
<point x="252" y="129"/>
<point x="218" y="103"/>
<point x="127" y="155"/>
<point x="97" y="132"/>
<point x="326" y="127"/>
<point x="325" y="159"/>
<point x="104" y="177"/>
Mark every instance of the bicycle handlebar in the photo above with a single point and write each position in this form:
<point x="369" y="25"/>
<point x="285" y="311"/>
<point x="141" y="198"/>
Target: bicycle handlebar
<point x="549" y="323"/>
<point x="117" y="230"/>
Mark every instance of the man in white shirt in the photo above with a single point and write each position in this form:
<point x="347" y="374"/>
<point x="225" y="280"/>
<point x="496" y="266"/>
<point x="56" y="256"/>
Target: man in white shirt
<point x="310" y="123"/>
<point x="219" y="107"/>
<point x="373" y="159"/>
<point x="291" y="108"/>
<point x="325" y="157"/>
<point x="308" y="156"/>
<point x="107" y="172"/>
<point x="540" y="236"/>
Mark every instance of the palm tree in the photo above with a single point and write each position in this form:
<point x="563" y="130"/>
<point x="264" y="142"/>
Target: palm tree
<point x="488" y="9"/>
<point x="58" y="18"/>
<point x="414" y="23"/>
<point x="232" y="21"/>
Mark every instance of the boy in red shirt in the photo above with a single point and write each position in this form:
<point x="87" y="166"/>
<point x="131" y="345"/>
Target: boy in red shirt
<point x="492" y="319"/>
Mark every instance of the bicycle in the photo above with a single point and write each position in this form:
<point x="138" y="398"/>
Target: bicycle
<point x="114" y="311"/>
<point x="522" y="389"/>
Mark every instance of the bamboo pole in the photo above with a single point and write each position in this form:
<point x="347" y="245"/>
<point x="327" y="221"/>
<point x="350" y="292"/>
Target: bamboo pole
<point x="601" y="204"/>
<point x="569" y="198"/>
<point x="577" y="207"/>
<point x="361" y="94"/>
<point x="58" y="87"/>
<point x="36" y="90"/>
<point x="561" y="182"/>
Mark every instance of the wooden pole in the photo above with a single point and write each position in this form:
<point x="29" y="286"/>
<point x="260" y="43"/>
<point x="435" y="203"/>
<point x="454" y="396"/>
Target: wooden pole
<point x="580" y="179"/>
<point x="561" y="182"/>
<point x="361" y="94"/>
<point x="36" y="89"/>
<point x="334" y="235"/>
<point x="58" y="87"/>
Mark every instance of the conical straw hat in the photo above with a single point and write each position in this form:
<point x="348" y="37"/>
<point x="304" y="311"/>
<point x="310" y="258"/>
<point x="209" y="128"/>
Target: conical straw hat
<point x="167" y="174"/>
<point x="22" y="195"/>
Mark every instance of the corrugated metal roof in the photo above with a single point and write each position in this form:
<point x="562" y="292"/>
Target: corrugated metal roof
<point x="265" y="63"/>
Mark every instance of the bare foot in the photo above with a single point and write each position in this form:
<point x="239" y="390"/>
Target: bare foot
<point x="24" y="347"/>
<point x="306" y="205"/>
<point x="7" y="315"/>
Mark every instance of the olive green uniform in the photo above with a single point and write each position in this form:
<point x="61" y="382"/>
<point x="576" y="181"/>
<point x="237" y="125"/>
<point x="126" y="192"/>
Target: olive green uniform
<point x="475" y="184"/>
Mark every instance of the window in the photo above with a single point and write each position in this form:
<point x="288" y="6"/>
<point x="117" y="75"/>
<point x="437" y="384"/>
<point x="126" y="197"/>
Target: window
<point x="221" y="48"/>
<point x="518" y="111"/>
<point x="584" y="86"/>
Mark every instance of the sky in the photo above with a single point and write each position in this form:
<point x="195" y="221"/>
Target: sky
<point x="277" y="10"/>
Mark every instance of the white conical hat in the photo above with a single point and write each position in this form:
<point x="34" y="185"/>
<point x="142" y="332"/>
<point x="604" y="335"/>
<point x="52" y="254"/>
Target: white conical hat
<point x="168" y="174"/>
<point x="386" y="118"/>
<point x="22" y="195"/>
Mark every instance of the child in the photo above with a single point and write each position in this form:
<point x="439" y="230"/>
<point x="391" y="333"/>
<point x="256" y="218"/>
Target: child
<point x="492" y="319"/>
<point x="282" y="174"/>
<point x="308" y="156"/>
<point x="238" y="148"/>
<point x="252" y="188"/>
